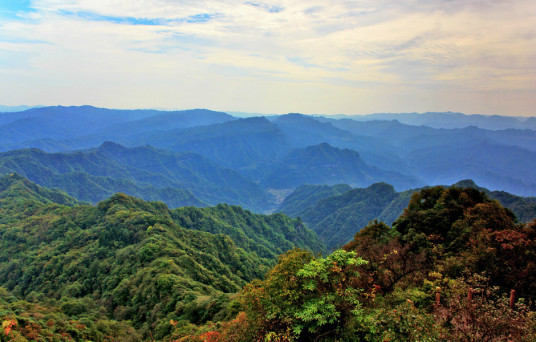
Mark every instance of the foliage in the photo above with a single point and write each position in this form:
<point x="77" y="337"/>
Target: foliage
<point x="26" y="321"/>
<point x="130" y="270"/>
<point x="136" y="261"/>
<point x="304" y="298"/>
<point x="405" y="322"/>
<point x="336" y="217"/>
<point x="476" y="311"/>
<point x="146" y="172"/>
<point x="305" y="196"/>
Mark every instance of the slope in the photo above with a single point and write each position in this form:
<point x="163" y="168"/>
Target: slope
<point x="305" y="196"/>
<point x="133" y="259"/>
<point x="14" y="187"/>
<point x="324" y="164"/>
<point x="178" y="179"/>
<point x="87" y="126"/>
<point x="336" y="217"/>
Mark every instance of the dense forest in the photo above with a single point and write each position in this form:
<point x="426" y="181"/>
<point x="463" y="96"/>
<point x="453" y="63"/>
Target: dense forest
<point x="455" y="265"/>
<point x="334" y="212"/>
<point x="133" y="261"/>
<point x="144" y="225"/>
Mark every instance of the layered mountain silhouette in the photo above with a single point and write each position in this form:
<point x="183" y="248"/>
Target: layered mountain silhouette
<point x="247" y="161"/>
<point x="336" y="213"/>
<point x="177" y="179"/>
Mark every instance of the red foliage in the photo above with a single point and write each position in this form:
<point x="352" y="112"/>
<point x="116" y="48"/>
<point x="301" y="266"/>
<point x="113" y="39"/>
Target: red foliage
<point x="8" y="325"/>
<point x="211" y="336"/>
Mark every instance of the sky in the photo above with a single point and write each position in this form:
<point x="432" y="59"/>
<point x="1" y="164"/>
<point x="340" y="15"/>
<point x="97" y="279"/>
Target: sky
<point x="306" y="56"/>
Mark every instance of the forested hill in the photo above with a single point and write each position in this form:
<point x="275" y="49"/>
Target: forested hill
<point x="275" y="153"/>
<point x="15" y="188"/>
<point x="438" y="274"/>
<point x="336" y="212"/>
<point x="325" y="164"/>
<point x="131" y="270"/>
<point x="128" y="259"/>
<point x="152" y="174"/>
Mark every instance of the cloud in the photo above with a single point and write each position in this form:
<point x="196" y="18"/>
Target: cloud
<point x="429" y="48"/>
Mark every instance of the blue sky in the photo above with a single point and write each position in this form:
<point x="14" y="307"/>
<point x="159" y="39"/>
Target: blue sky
<point x="308" y="56"/>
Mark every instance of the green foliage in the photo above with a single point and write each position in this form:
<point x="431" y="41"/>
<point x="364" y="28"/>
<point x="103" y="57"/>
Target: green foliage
<point x="145" y="172"/>
<point x="52" y="321"/>
<point x="137" y="261"/>
<point x="331" y="290"/>
<point x="404" y="322"/>
<point x="304" y="298"/>
<point x="337" y="216"/>
<point x="266" y="235"/>
<point x="130" y="270"/>
<point x="305" y="196"/>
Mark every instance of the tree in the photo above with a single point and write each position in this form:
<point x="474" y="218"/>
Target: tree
<point x="306" y="298"/>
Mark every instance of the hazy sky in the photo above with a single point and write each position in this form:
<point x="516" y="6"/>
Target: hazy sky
<point x="308" y="56"/>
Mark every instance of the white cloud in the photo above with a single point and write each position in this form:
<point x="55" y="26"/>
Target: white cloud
<point x="350" y="54"/>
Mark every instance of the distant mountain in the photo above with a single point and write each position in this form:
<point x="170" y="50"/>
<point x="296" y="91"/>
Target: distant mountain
<point x="304" y="130"/>
<point x="12" y="109"/>
<point x="243" y="144"/>
<point x="305" y="196"/>
<point x="335" y="218"/>
<point x="272" y="153"/>
<point x="134" y="133"/>
<point x="408" y="137"/>
<point x="87" y="126"/>
<point x="177" y="179"/>
<point x="493" y="166"/>
<point x="452" y="120"/>
<point x="496" y="159"/>
<point x="324" y="164"/>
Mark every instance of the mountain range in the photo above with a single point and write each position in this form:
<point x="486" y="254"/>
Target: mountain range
<point x="452" y="120"/>
<point x="138" y="261"/>
<point x="337" y="212"/>
<point x="201" y="157"/>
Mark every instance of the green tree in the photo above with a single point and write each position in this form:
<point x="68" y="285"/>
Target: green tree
<point x="305" y="298"/>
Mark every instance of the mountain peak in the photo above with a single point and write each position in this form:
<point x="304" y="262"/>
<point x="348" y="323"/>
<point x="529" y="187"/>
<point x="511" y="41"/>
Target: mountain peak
<point x="14" y="185"/>
<point x="466" y="183"/>
<point x="110" y="146"/>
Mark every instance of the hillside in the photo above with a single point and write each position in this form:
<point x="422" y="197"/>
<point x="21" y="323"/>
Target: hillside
<point x="130" y="270"/>
<point x="324" y="164"/>
<point x="336" y="215"/>
<point x="177" y="179"/>
<point x="496" y="151"/>
<point x="15" y="188"/>
<point x="305" y="196"/>
<point x="127" y="259"/>
<point x="436" y="275"/>
<point x="336" y="219"/>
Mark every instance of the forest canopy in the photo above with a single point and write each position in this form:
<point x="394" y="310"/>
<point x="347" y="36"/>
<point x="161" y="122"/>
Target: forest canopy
<point x="455" y="265"/>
